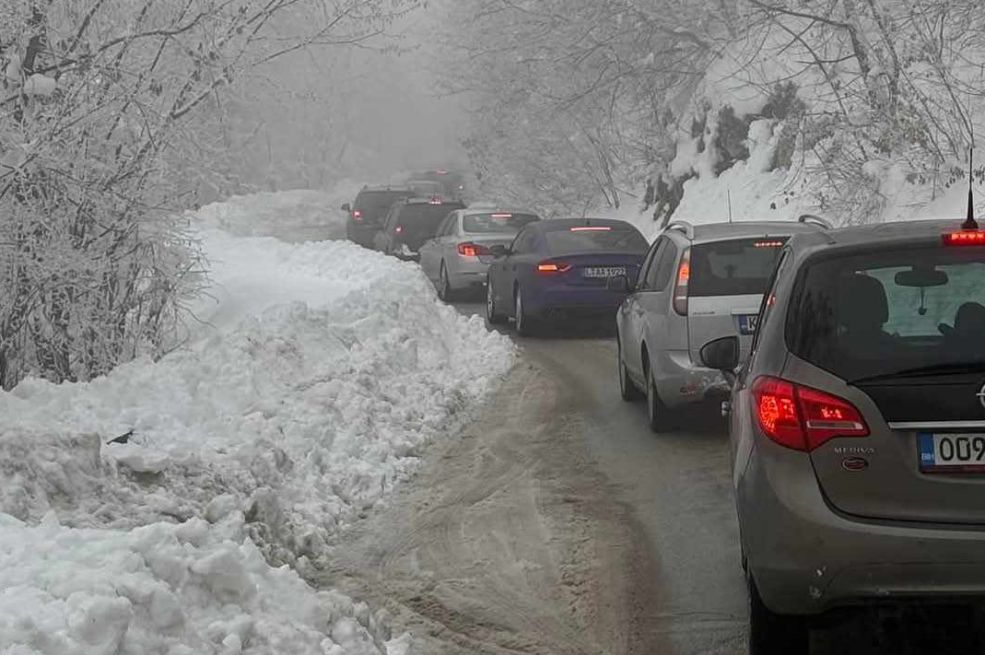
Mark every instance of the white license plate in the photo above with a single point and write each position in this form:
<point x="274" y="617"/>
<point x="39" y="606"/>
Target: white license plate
<point x="951" y="453"/>
<point x="603" y="271"/>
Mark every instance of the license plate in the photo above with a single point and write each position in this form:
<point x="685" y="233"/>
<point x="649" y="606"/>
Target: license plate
<point x="603" y="271"/>
<point x="951" y="453"/>
<point x="748" y="323"/>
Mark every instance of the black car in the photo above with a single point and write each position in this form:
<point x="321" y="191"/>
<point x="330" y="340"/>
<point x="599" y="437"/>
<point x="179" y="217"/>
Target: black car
<point x="367" y="212"/>
<point x="410" y="223"/>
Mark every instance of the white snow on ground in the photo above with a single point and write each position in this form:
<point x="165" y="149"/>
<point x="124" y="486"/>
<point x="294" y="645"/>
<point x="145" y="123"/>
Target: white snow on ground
<point x="317" y="375"/>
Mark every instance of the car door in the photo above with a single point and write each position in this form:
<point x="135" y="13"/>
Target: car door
<point x="447" y="242"/>
<point x="517" y="266"/>
<point x="501" y="273"/>
<point x="654" y="301"/>
<point x="631" y="312"/>
<point x="431" y="251"/>
<point x="381" y="241"/>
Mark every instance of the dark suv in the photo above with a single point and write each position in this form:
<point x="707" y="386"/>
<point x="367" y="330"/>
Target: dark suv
<point x="858" y="426"/>
<point x="366" y="213"/>
<point x="410" y="223"/>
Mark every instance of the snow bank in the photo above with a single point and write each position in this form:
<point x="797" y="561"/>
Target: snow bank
<point x="314" y="378"/>
<point x="302" y="211"/>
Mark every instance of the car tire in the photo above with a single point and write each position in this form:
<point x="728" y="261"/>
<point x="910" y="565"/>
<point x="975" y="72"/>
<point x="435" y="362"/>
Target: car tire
<point x="659" y="416"/>
<point x="524" y="324"/>
<point x="775" y="634"/>
<point x="445" y="292"/>
<point x="492" y="315"/>
<point x="627" y="388"/>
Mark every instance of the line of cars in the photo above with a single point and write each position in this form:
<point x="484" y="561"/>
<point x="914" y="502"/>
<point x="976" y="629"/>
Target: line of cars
<point x="853" y="364"/>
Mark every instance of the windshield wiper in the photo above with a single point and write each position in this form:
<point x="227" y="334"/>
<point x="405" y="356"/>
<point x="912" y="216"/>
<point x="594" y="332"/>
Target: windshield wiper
<point x="951" y="368"/>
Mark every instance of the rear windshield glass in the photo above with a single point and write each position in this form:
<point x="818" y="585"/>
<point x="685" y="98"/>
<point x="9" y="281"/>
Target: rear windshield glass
<point x="496" y="223"/>
<point x="889" y="312"/>
<point x="733" y="268"/>
<point x="578" y="240"/>
<point x="425" y="218"/>
<point x="375" y="204"/>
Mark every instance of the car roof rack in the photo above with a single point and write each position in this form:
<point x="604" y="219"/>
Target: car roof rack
<point x="811" y="219"/>
<point x="681" y="226"/>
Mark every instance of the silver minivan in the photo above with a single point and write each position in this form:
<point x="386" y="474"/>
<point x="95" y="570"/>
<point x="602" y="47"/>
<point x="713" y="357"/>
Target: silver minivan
<point x="698" y="283"/>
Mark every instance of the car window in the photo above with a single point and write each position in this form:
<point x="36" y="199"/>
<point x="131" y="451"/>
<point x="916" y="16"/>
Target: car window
<point x="496" y="222"/>
<point x="883" y="312"/>
<point x="665" y="269"/>
<point x="524" y="242"/>
<point x="769" y="296"/>
<point x="733" y="268"/>
<point x="375" y="204"/>
<point x="581" y="239"/>
<point x="650" y="263"/>
<point x="447" y="227"/>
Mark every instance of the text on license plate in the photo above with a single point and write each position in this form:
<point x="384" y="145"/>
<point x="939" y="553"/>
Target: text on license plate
<point x="603" y="271"/>
<point x="748" y="323"/>
<point x="951" y="453"/>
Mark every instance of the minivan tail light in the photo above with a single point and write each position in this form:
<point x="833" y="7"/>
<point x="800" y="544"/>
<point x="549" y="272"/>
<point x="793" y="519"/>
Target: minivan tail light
<point x="357" y="215"/>
<point x="472" y="250"/>
<point x="553" y="267"/>
<point x="802" y="418"/>
<point x="399" y="229"/>
<point x="680" y="286"/>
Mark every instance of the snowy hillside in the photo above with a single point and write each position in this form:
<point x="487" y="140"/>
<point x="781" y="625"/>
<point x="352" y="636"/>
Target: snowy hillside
<point x="310" y="385"/>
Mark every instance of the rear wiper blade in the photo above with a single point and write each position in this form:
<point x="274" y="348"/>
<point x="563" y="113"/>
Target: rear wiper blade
<point x="952" y="368"/>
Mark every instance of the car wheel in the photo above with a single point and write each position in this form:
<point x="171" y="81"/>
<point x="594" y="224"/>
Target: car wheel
<point x="444" y="286"/>
<point x="659" y="416"/>
<point x="524" y="324"/>
<point x="493" y="316"/>
<point x="627" y="388"/>
<point x="775" y="634"/>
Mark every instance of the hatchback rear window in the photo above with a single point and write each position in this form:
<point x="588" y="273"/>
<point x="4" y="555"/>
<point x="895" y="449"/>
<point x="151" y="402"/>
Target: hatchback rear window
<point x="737" y="267"/>
<point x="375" y="204"/>
<point x="590" y="239"/>
<point x="496" y="222"/>
<point x="889" y="313"/>
<point x="424" y="218"/>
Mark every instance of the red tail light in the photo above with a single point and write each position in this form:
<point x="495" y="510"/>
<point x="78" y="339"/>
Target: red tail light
<point x="680" y="287"/>
<point x="802" y="418"/>
<point x="398" y="229"/>
<point x="965" y="238"/>
<point x="357" y="215"/>
<point x="553" y="267"/>
<point x="472" y="249"/>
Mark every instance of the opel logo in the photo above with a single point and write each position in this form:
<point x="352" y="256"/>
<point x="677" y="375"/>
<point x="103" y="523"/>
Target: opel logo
<point x="981" y="396"/>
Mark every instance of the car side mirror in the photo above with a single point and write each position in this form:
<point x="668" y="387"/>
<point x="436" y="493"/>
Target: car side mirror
<point x="618" y="283"/>
<point x="498" y="251"/>
<point x="347" y="208"/>
<point x="721" y="354"/>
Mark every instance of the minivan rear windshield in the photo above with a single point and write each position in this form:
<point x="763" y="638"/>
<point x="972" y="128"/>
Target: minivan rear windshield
<point x="891" y="312"/>
<point x="496" y="223"/>
<point x="375" y="204"/>
<point x="736" y="267"/>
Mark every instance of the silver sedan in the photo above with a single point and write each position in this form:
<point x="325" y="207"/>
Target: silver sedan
<point x="457" y="258"/>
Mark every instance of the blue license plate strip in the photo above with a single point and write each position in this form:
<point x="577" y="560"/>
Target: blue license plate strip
<point x="951" y="453"/>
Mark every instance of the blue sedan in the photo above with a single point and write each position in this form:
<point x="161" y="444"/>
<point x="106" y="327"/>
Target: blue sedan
<point x="561" y="268"/>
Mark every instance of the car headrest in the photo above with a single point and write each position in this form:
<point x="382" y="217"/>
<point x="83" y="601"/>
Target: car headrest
<point x="862" y="303"/>
<point x="970" y="319"/>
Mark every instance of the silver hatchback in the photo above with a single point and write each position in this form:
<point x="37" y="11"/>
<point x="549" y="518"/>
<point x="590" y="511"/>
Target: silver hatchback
<point x="697" y="283"/>
<point x="858" y="426"/>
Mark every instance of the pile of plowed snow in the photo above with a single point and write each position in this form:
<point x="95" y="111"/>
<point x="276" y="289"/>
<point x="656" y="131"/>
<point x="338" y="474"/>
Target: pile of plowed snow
<point x="314" y="378"/>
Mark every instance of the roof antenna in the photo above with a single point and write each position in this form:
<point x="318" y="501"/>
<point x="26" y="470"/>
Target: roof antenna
<point x="970" y="223"/>
<point x="729" y="192"/>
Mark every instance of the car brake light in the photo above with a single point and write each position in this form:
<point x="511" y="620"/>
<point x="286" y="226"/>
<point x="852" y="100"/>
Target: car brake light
<point x="553" y="267"/>
<point x="398" y="229"/>
<point x="435" y="200"/>
<point x="502" y="216"/>
<point x="680" y="288"/>
<point x="802" y="418"/>
<point x="768" y="244"/>
<point x="964" y="238"/>
<point x="591" y="229"/>
<point x="472" y="250"/>
<point x="357" y="215"/>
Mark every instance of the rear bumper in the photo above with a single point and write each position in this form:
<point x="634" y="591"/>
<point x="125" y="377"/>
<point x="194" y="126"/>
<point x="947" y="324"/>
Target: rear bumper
<point x="574" y="301"/>
<point x="466" y="273"/>
<point x="360" y="233"/>
<point x="680" y="382"/>
<point x="807" y="558"/>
